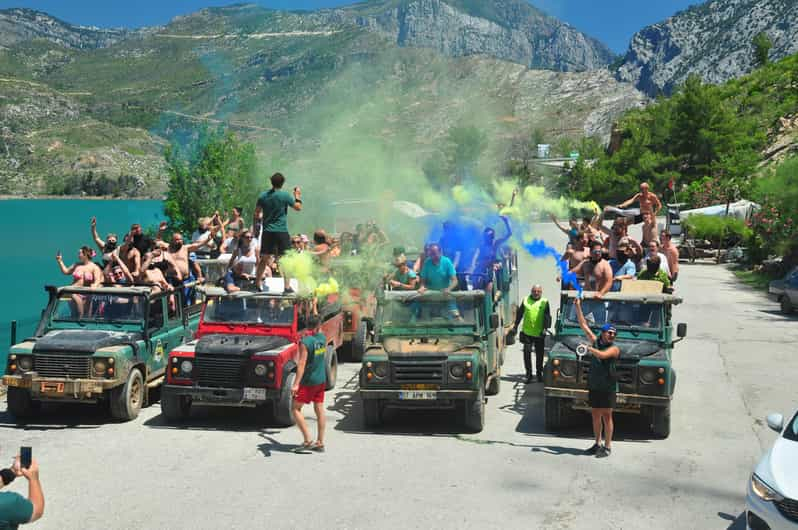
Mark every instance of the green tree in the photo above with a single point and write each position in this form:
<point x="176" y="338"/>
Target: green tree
<point x="217" y="171"/>
<point x="762" y="46"/>
<point x="467" y="143"/>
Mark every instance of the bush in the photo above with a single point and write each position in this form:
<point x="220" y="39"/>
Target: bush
<point x="725" y="231"/>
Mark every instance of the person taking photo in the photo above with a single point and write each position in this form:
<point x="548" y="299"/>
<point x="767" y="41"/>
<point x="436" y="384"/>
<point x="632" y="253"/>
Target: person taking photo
<point x="14" y="508"/>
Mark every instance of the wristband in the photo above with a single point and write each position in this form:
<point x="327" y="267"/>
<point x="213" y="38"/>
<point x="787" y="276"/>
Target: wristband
<point x="7" y="476"/>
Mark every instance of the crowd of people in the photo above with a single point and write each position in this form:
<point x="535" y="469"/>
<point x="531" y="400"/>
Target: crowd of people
<point x="602" y="258"/>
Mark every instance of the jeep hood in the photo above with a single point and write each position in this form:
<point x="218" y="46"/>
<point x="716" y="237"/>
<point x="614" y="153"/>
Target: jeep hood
<point x="238" y="345"/>
<point x="81" y="341"/>
<point x="630" y="349"/>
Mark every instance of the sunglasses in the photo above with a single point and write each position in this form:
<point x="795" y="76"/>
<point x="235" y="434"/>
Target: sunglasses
<point x="611" y="333"/>
<point x="247" y="237"/>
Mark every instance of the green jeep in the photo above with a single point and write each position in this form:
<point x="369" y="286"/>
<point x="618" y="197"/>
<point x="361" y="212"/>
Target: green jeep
<point x="114" y="351"/>
<point x="424" y="357"/>
<point x="645" y="375"/>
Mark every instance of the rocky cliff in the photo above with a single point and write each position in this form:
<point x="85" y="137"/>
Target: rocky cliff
<point x="511" y="30"/>
<point x="713" y="40"/>
<point x="20" y="25"/>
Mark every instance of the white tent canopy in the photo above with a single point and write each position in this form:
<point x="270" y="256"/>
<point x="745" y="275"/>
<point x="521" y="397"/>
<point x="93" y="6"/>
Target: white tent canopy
<point x="742" y="209"/>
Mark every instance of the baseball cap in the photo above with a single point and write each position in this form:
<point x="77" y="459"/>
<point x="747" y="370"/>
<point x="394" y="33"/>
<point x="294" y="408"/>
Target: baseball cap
<point x="609" y="327"/>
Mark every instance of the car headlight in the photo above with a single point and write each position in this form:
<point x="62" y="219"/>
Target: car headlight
<point x="100" y="366"/>
<point x="25" y="362"/>
<point x="186" y="367"/>
<point x="381" y="370"/>
<point x="567" y="368"/>
<point x="457" y="371"/>
<point x="260" y="370"/>
<point x="763" y="491"/>
<point x="649" y="376"/>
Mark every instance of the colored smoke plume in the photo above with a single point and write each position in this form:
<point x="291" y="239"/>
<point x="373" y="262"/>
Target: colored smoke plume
<point x="539" y="249"/>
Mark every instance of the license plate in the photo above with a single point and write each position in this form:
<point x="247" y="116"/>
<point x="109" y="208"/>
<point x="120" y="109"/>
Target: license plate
<point x="419" y="386"/>
<point x="52" y="388"/>
<point x="418" y="394"/>
<point x="19" y="383"/>
<point x="254" y="394"/>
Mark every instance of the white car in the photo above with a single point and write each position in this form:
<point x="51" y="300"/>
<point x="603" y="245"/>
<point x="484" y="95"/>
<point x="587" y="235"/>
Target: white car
<point x="772" y="500"/>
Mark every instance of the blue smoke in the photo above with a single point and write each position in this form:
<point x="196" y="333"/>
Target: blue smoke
<point x="539" y="249"/>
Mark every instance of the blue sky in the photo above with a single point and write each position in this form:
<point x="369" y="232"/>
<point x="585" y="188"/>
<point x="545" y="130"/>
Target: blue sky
<point x="611" y="21"/>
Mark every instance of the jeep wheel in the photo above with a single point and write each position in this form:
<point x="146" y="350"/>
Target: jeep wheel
<point x="283" y="409"/>
<point x="358" y="345"/>
<point x="661" y="421"/>
<point x="175" y="408"/>
<point x="474" y="413"/>
<point x="786" y="305"/>
<point x="332" y="369"/>
<point x="372" y="413"/>
<point x="552" y="413"/>
<point x="127" y="399"/>
<point x="20" y="403"/>
<point x="495" y="384"/>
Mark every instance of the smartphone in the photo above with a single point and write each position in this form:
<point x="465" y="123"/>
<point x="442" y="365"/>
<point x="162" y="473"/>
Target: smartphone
<point x="25" y="456"/>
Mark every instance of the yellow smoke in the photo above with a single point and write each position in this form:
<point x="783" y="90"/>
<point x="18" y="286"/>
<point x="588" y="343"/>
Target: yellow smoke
<point x="306" y="271"/>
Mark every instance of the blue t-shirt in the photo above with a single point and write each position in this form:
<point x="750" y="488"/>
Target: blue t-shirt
<point x="438" y="276"/>
<point x="622" y="270"/>
<point x="14" y="510"/>
<point x="274" y="204"/>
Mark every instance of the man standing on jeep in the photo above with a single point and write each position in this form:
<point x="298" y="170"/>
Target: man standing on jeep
<point x="311" y="378"/>
<point x="601" y="380"/>
<point x="536" y="317"/>
<point x="275" y="240"/>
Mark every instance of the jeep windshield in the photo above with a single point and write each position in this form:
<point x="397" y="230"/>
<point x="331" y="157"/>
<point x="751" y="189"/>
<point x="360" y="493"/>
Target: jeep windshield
<point x="422" y="313"/>
<point x="623" y="314"/>
<point x="99" y="308"/>
<point x="249" y="310"/>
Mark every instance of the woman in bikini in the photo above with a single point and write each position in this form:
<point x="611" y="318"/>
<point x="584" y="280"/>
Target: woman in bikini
<point x="84" y="272"/>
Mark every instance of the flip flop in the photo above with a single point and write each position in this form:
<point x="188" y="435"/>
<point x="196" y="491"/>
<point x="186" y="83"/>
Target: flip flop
<point x="317" y="447"/>
<point x="303" y="449"/>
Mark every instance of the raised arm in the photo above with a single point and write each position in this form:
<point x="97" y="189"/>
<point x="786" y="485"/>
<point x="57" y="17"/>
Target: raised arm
<point x="97" y="239"/>
<point x="582" y="322"/>
<point x="629" y="202"/>
<point x="565" y="230"/>
<point x="507" y="236"/>
<point x="191" y="247"/>
<point x="297" y="199"/>
<point x="122" y="266"/>
<point x="64" y="269"/>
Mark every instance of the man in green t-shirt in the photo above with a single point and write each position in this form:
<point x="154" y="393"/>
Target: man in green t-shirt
<point x="16" y="509"/>
<point x="311" y="378"/>
<point x="273" y="206"/>
<point x="652" y="271"/>
<point x="404" y="279"/>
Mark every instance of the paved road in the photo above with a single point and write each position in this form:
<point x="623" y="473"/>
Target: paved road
<point x="230" y="470"/>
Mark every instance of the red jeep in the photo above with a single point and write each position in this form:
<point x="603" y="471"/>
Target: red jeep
<point x="245" y="351"/>
<point x="359" y="309"/>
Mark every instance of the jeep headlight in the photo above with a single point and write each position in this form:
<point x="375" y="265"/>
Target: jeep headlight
<point x="567" y="368"/>
<point x="648" y="376"/>
<point x="457" y="371"/>
<point x="186" y="366"/>
<point x="381" y="370"/>
<point x="100" y="366"/>
<point x="25" y="362"/>
<point x="260" y="370"/>
<point x="763" y="491"/>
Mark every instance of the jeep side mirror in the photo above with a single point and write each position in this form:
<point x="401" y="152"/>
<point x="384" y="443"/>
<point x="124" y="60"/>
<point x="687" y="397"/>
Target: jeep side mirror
<point x="494" y="321"/>
<point x="775" y="422"/>
<point x="681" y="330"/>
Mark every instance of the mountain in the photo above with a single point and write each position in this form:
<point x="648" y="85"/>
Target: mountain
<point x="511" y="30"/>
<point x="319" y="93"/>
<point x="21" y="25"/>
<point x="713" y="40"/>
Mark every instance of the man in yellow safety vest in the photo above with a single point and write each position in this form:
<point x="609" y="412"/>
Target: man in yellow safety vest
<point x="536" y="317"/>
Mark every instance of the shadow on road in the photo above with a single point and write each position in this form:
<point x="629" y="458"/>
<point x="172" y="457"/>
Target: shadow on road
<point x="232" y="419"/>
<point x="272" y="445"/>
<point x="60" y="416"/>
<point x="737" y="523"/>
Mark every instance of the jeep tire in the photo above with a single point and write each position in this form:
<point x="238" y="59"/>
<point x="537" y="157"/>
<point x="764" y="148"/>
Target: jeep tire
<point x="372" y="413"/>
<point x="358" y="345"/>
<point x="126" y="400"/>
<point x="174" y="407"/>
<point x="495" y="384"/>
<point x="331" y="372"/>
<point x="283" y="407"/>
<point x="786" y="305"/>
<point x="552" y="413"/>
<point x="474" y="413"/>
<point x="661" y="421"/>
<point x="20" y="404"/>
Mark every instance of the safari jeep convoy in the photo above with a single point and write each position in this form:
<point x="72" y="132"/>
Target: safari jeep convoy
<point x="93" y="345"/>
<point x="645" y="375"/>
<point x="245" y="352"/>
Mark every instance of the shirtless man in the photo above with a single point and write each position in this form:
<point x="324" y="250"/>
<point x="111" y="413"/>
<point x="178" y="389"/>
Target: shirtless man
<point x="153" y="273"/>
<point x="131" y="256"/>
<point x="671" y="252"/>
<point x="575" y="254"/>
<point x="649" y="202"/>
<point x="178" y="252"/>
<point x="596" y="270"/>
<point x="649" y="229"/>
<point x="615" y="234"/>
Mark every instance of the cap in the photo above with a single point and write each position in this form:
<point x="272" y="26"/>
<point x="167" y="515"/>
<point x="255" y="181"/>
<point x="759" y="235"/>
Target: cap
<point x="304" y="238"/>
<point x="608" y="327"/>
<point x="192" y="256"/>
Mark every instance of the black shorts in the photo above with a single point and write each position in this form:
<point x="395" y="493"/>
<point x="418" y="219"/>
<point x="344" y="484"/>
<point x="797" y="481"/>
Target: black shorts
<point x="601" y="399"/>
<point x="675" y="277"/>
<point x="274" y="243"/>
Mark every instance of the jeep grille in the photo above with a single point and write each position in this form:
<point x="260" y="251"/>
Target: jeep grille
<point x="61" y="365"/>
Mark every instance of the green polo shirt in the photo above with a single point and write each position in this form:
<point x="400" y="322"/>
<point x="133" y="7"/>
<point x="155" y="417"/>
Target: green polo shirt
<point x="14" y="510"/>
<point x="315" y="367"/>
<point x="275" y="204"/>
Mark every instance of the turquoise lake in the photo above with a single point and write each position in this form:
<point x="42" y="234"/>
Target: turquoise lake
<point x="36" y="230"/>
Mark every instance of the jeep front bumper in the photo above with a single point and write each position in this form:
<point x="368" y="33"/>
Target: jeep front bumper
<point x="624" y="401"/>
<point x="61" y="389"/>
<point x="224" y="397"/>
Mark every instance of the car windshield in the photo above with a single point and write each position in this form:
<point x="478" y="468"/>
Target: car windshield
<point x="424" y="313"/>
<point x="620" y="313"/>
<point x="99" y="308"/>
<point x="260" y="310"/>
<point x="791" y="432"/>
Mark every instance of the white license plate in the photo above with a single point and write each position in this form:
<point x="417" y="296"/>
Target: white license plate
<point x="418" y="394"/>
<point x="252" y="394"/>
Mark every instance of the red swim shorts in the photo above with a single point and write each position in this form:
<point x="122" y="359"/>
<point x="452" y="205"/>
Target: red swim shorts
<point x="310" y="394"/>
